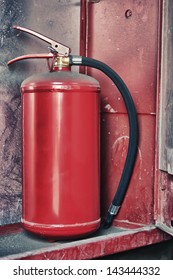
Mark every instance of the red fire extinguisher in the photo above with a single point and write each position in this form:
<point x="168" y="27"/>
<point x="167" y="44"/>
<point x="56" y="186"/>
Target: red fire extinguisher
<point x="60" y="117"/>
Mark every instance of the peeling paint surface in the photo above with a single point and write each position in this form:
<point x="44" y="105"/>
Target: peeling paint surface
<point x="163" y="209"/>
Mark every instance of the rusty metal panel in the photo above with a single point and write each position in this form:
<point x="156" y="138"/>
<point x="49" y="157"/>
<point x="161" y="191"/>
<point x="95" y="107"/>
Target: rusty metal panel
<point x="56" y="19"/>
<point x="164" y="205"/>
<point x="163" y="208"/>
<point x="166" y="91"/>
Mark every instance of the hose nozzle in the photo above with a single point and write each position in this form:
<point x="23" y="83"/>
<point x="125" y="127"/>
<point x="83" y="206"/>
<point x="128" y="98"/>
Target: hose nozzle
<point x="113" y="210"/>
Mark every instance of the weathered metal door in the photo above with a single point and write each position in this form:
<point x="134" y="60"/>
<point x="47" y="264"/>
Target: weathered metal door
<point x="164" y="156"/>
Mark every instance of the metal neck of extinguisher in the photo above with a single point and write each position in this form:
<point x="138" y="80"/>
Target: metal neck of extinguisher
<point x="60" y="55"/>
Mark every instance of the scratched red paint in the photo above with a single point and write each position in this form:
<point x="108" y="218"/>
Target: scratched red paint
<point x="129" y="45"/>
<point x="103" y="247"/>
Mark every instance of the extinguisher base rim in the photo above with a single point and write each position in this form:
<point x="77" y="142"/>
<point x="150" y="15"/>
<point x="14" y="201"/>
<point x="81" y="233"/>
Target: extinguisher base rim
<point x="62" y="230"/>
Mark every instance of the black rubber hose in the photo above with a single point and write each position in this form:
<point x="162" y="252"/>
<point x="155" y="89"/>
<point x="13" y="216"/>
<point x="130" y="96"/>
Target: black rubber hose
<point x="133" y="131"/>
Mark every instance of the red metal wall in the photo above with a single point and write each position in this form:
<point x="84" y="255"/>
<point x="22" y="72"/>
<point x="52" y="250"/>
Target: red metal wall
<point x="124" y="34"/>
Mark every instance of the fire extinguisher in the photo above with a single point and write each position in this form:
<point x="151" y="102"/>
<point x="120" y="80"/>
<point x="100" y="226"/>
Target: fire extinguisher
<point x="60" y="118"/>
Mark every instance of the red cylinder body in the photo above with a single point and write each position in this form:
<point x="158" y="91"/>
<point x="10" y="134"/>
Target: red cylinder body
<point x="61" y="197"/>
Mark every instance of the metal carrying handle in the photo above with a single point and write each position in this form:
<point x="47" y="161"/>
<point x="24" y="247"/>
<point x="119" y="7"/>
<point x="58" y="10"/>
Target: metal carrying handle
<point x="57" y="47"/>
